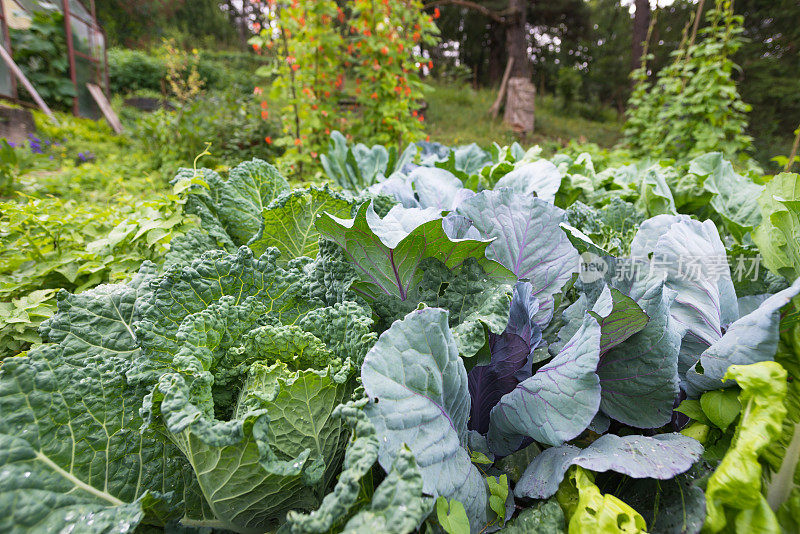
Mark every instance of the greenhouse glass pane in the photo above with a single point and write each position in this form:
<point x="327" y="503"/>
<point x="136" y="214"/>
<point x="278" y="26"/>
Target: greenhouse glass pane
<point x="5" y="72"/>
<point x="77" y="10"/>
<point x="86" y="72"/>
<point x="80" y="36"/>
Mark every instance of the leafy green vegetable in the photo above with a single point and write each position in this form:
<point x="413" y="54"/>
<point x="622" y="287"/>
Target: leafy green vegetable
<point x="735" y="198"/>
<point x="361" y="454"/>
<point x="397" y="506"/>
<point x="662" y="456"/>
<point x="722" y="407"/>
<point x="498" y="493"/>
<point x="288" y="221"/>
<point x="526" y="239"/>
<point x="72" y="450"/>
<point x="734" y="493"/>
<point x="543" y="518"/>
<point x="417" y="386"/>
<point x="452" y="517"/>
<point x="587" y="510"/>
<point x="777" y="235"/>
<point x="357" y="167"/>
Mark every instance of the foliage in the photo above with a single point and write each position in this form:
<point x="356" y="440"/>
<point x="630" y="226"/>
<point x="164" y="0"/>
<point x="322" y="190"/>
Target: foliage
<point x="53" y="244"/>
<point x="182" y="77"/>
<point x="321" y="47"/>
<point x="777" y="235"/>
<point x="41" y="53"/>
<point x="136" y="70"/>
<point x="228" y="120"/>
<point x="693" y="107"/>
<point x="433" y="348"/>
<point x="146" y="22"/>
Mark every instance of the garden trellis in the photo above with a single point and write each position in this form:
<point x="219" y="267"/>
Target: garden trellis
<point x="86" y="47"/>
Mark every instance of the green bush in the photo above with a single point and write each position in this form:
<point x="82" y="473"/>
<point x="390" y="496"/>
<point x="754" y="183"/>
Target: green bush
<point x="229" y="120"/>
<point x="133" y="70"/>
<point x="138" y="70"/>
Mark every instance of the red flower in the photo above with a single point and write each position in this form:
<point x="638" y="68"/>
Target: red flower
<point x="257" y="91"/>
<point x="263" y="104"/>
<point x="374" y="96"/>
<point x="420" y="118"/>
<point x="436" y="13"/>
<point x="256" y="47"/>
<point x="428" y="138"/>
<point x="430" y="64"/>
<point x="368" y="33"/>
<point x="268" y="139"/>
<point x="297" y="142"/>
<point x="264" y="114"/>
<point x="385" y="51"/>
<point x="414" y="113"/>
<point x="295" y="67"/>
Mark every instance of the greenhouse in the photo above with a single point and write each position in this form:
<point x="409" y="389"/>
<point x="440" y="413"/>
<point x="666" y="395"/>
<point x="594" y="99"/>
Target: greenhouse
<point x="85" y="49"/>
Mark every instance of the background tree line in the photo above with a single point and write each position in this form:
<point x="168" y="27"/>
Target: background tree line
<point x="581" y="50"/>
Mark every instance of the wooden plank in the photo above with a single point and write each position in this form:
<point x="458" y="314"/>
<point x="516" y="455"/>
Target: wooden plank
<point x="26" y="83"/>
<point x="105" y="107"/>
<point x="495" y="109"/>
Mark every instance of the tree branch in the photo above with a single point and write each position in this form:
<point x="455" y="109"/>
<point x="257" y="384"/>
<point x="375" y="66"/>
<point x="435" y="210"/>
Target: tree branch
<point x="499" y="17"/>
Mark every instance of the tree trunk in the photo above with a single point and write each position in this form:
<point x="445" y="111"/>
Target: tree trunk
<point x="641" y="21"/>
<point x="517" y="39"/>
<point x="519" y="112"/>
<point x="497" y="53"/>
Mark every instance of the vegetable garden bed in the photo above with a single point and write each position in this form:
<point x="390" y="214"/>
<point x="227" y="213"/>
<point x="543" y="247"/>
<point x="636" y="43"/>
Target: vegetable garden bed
<point x="453" y="340"/>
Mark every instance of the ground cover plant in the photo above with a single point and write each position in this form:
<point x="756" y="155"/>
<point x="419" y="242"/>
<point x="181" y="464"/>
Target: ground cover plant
<point x="451" y="339"/>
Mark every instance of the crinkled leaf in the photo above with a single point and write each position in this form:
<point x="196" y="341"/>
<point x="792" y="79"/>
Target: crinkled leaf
<point x="542" y="518"/>
<point x="417" y="386"/>
<point x="70" y="447"/>
<point x="233" y="207"/>
<point x="397" y="506"/>
<point x="289" y="221"/>
<point x="283" y="447"/>
<point x="182" y="291"/>
<point x="361" y="454"/>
